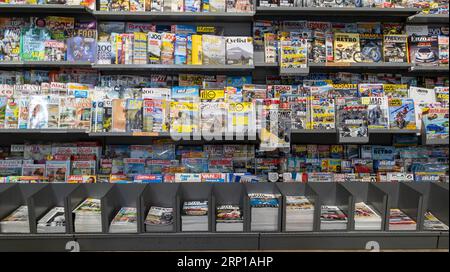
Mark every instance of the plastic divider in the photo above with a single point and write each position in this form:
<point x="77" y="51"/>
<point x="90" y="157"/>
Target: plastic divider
<point x="97" y="190"/>
<point x="231" y="194"/>
<point x="17" y="195"/>
<point x="299" y="189"/>
<point x="52" y="195"/>
<point x="195" y="192"/>
<point x="369" y="194"/>
<point x="121" y="195"/>
<point x="333" y="193"/>
<point x="267" y="188"/>
<point x="160" y="195"/>
<point x="403" y="197"/>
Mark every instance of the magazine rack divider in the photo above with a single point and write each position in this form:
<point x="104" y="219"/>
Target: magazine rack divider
<point x="195" y="192"/>
<point x="267" y="188"/>
<point x="403" y="197"/>
<point x="17" y="195"/>
<point x="300" y="189"/>
<point x="231" y="194"/>
<point x="76" y="197"/>
<point x="160" y="195"/>
<point x="333" y="193"/>
<point x="52" y="195"/>
<point x="435" y="200"/>
<point x="121" y="195"/>
<point x="371" y="195"/>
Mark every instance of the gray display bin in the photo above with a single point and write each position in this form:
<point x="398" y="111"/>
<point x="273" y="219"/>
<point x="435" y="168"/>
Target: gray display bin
<point x="369" y="194"/>
<point x="332" y="193"/>
<point x="192" y="191"/>
<point x="231" y="194"/>
<point x="76" y="197"/>
<point x="52" y="195"/>
<point x="435" y="200"/>
<point x="121" y="195"/>
<point x="267" y="188"/>
<point x="403" y="197"/>
<point x="299" y="189"/>
<point x="160" y="195"/>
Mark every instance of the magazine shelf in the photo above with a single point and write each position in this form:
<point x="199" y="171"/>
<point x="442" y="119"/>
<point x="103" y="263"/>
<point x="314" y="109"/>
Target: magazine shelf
<point x="443" y="241"/>
<point x="34" y="242"/>
<point x="429" y="70"/>
<point x="231" y="194"/>
<point x="47" y="9"/>
<point x="45" y="64"/>
<point x="429" y="19"/>
<point x="265" y="188"/>
<point x="195" y="192"/>
<point x="173" y="68"/>
<point x="174" y="16"/>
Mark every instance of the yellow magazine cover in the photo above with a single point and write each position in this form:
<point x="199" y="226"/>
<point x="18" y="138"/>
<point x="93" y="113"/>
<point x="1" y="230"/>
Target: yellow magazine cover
<point x="213" y="95"/>
<point x="347" y="47"/>
<point x="197" y="52"/>
<point x="240" y="117"/>
<point x="118" y="49"/>
<point x="184" y="117"/>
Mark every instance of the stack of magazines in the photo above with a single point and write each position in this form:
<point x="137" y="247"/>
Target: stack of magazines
<point x="53" y="222"/>
<point x="229" y="218"/>
<point x="125" y="221"/>
<point x="195" y="216"/>
<point x="16" y="222"/>
<point x="398" y="220"/>
<point x="264" y="211"/>
<point x="366" y="218"/>
<point x="432" y="223"/>
<point x="88" y="216"/>
<point x="159" y="219"/>
<point x="299" y="214"/>
<point x="333" y="218"/>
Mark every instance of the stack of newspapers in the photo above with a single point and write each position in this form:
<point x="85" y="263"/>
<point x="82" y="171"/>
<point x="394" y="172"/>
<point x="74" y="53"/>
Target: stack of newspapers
<point x="159" y="219"/>
<point x="195" y="216"/>
<point x="398" y="220"/>
<point x="432" y="223"/>
<point x="299" y="214"/>
<point x="88" y="217"/>
<point x="229" y="218"/>
<point x="264" y="211"/>
<point x="16" y="222"/>
<point x="125" y="221"/>
<point x="366" y="218"/>
<point x="332" y="218"/>
<point x="53" y="222"/>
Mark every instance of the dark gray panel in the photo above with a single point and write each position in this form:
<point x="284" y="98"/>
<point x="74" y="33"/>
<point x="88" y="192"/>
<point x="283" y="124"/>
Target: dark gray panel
<point x="36" y="243"/>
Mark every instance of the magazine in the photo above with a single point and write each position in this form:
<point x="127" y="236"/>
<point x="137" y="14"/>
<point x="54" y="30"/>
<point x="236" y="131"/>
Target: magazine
<point x="38" y="113"/>
<point x="167" y="48"/>
<point x="395" y="48"/>
<point x="159" y="216"/>
<point x="239" y="50"/>
<point x="294" y="52"/>
<point x="57" y="171"/>
<point x="352" y="118"/>
<point x="270" y="48"/>
<point x="154" y="41"/>
<point x="436" y="123"/>
<point x="322" y="113"/>
<point x="133" y="108"/>
<point x="119" y="115"/>
<point x="213" y="49"/>
<point x="378" y="112"/>
<point x="371" y="47"/>
<point x="213" y="117"/>
<point x="184" y="117"/>
<point x="217" y="6"/>
<point x="401" y="114"/>
<point x="300" y="110"/>
<point x="241" y="118"/>
<point x="371" y="90"/>
<point x="396" y="90"/>
<point x="347" y="47"/>
<point x="443" y="49"/>
<point x="240" y="5"/>
<point x="155" y="115"/>
<point x="424" y="50"/>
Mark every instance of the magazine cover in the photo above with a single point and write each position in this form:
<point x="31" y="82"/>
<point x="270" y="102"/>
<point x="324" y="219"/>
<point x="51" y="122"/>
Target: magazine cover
<point x="402" y="114"/>
<point x="10" y="168"/>
<point x="322" y="113"/>
<point x="347" y="47"/>
<point x="134" y="122"/>
<point x="155" y="117"/>
<point x="435" y="123"/>
<point x="167" y="48"/>
<point x="83" y="111"/>
<point x="370" y="90"/>
<point x="371" y="47"/>
<point x="154" y="41"/>
<point x="217" y="6"/>
<point x="139" y="48"/>
<point x="119" y="117"/>
<point x="343" y="90"/>
<point x="442" y="95"/>
<point x="184" y="117"/>
<point x="38" y="112"/>
<point x="240" y="5"/>
<point x="192" y="5"/>
<point x="180" y="51"/>
<point x="32" y="47"/>
<point x="318" y="48"/>
<point x="107" y="115"/>
<point x="81" y="49"/>
<point x="241" y="118"/>
<point x="378" y="112"/>
<point x="395" y="48"/>
<point x="213" y="49"/>
<point x="300" y="110"/>
<point x="424" y="50"/>
<point x="54" y="50"/>
<point x="11" y="114"/>
<point x="213" y="117"/>
<point x="239" y="50"/>
<point x="10" y="38"/>
<point x="270" y="48"/>
<point x="276" y="129"/>
<point x="443" y="49"/>
<point x="53" y="103"/>
<point x="185" y="93"/>
<point x="294" y="52"/>
<point x="133" y="167"/>
<point x="57" y="171"/>
<point x="352" y="118"/>
<point x="396" y="90"/>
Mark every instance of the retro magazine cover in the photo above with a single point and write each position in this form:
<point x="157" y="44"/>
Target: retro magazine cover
<point x="378" y="112"/>
<point x="352" y="118"/>
<point x="401" y="113"/>
<point x="322" y="113"/>
<point x="435" y="123"/>
<point x="395" y="48"/>
<point x="424" y="50"/>
<point x="371" y="47"/>
<point x="213" y="117"/>
<point x="347" y="47"/>
<point x="239" y="50"/>
<point x="213" y="49"/>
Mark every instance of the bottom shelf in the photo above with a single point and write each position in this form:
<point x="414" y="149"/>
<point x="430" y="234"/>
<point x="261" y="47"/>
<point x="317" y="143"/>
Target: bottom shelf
<point x="225" y="241"/>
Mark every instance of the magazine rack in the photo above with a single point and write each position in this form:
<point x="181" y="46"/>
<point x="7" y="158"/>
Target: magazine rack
<point x="369" y="194"/>
<point x="121" y="195"/>
<point x="405" y="198"/>
<point x="231" y="194"/>
<point x="332" y="193"/>
<point x="84" y="191"/>
<point x="267" y="188"/>
<point x="52" y="195"/>
<point x="195" y="192"/>
<point x="299" y="189"/>
<point x="159" y="195"/>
